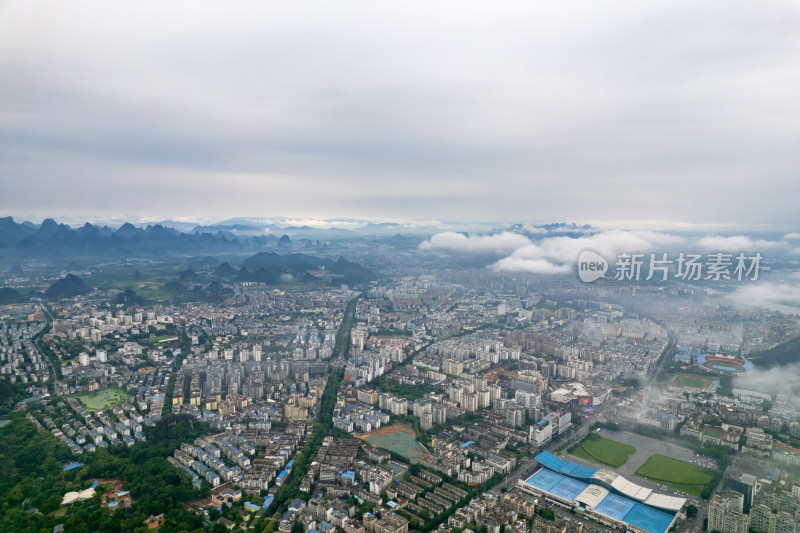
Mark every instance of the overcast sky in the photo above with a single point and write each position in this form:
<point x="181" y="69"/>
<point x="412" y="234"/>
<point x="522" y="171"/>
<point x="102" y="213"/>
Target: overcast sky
<point x="678" y="111"/>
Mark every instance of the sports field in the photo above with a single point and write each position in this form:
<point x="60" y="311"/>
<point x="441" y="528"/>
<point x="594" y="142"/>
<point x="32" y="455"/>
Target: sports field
<point x="163" y="338"/>
<point x="692" y="381"/>
<point x="398" y="438"/>
<point x="603" y="451"/>
<point x="103" y="398"/>
<point x="676" y="474"/>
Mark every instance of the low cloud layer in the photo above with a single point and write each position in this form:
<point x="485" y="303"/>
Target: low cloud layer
<point x="458" y="242"/>
<point x="776" y="380"/>
<point x="780" y="296"/>
<point x="557" y="254"/>
<point x="736" y="243"/>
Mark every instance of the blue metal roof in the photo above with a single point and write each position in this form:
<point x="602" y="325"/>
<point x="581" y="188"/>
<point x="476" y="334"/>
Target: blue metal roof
<point x="615" y="506"/>
<point x="556" y="464"/>
<point x="649" y="519"/>
<point x="568" y="488"/>
<point x="556" y="484"/>
<point x="544" y="479"/>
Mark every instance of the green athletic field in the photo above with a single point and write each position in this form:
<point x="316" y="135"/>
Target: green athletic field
<point x="103" y="398"/>
<point x="676" y="474"/>
<point x="603" y="451"/>
<point x="689" y="380"/>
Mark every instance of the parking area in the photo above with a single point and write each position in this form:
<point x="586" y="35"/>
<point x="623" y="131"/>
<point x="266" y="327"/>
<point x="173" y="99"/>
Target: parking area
<point x="645" y="447"/>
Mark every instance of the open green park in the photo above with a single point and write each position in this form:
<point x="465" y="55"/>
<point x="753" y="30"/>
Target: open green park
<point x="677" y="474"/>
<point x="103" y="398"/>
<point x="603" y="451"/>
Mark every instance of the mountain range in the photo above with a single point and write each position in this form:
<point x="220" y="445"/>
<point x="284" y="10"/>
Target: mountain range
<point x="268" y="267"/>
<point x="51" y="239"/>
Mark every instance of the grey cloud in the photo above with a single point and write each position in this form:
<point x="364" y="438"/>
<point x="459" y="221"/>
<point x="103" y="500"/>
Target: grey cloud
<point x="776" y="380"/>
<point x="458" y="242"/>
<point x="736" y="243"/>
<point x="553" y="255"/>
<point x="518" y="111"/>
<point x="783" y="297"/>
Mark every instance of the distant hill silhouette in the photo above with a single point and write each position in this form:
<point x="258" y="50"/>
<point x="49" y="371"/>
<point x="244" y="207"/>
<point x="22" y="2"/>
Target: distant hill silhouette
<point x="283" y="264"/>
<point x="262" y="275"/>
<point x="352" y="272"/>
<point x="225" y="270"/>
<point x="188" y="274"/>
<point x="174" y="286"/>
<point x="284" y="241"/>
<point x="67" y="287"/>
<point x="267" y="267"/>
<point x="129" y="297"/>
<point x="51" y="239"/>
<point x="10" y="296"/>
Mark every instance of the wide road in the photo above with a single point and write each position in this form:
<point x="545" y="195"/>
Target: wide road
<point x="35" y="340"/>
<point x="342" y="346"/>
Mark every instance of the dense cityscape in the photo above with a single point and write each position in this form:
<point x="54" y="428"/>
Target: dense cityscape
<point x="395" y="267"/>
<point x="388" y="395"/>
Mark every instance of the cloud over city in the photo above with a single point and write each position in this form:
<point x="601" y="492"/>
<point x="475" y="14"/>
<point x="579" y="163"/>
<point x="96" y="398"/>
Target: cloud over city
<point x="458" y="242"/>
<point x="557" y="254"/>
